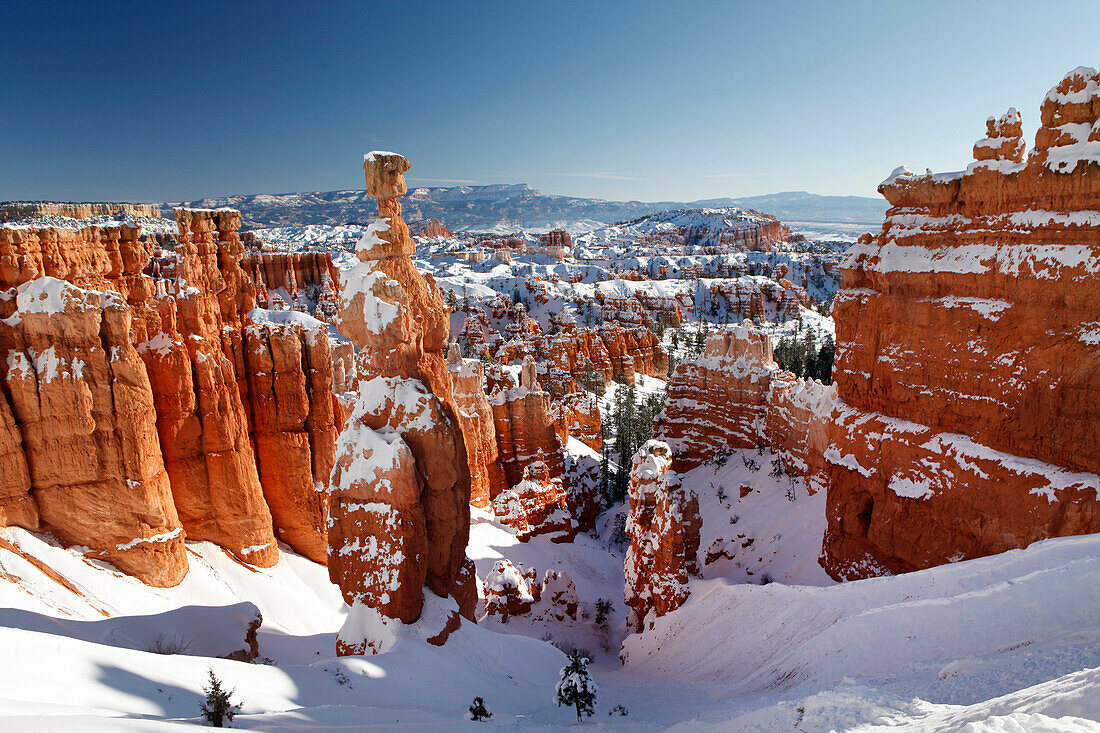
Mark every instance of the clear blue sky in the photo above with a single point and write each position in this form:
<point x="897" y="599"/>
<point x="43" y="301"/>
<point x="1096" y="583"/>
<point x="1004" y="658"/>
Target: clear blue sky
<point x="621" y="100"/>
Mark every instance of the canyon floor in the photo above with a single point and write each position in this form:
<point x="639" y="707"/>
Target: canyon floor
<point x="767" y="642"/>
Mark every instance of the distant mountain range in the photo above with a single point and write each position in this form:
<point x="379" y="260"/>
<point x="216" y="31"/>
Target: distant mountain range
<point x="509" y="207"/>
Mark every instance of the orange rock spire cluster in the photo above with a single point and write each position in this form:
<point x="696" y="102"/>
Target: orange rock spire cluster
<point x="967" y="382"/>
<point x="138" y="410"/>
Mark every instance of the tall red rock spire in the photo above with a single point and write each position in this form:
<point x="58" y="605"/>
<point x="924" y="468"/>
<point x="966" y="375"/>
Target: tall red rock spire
<point x="400" y="515"/>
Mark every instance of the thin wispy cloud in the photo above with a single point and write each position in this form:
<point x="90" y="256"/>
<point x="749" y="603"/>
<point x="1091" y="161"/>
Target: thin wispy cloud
<point x="607" y="176"/>
<point x="441" y="180"/>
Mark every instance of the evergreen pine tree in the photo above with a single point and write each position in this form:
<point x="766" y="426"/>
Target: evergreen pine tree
<point x="576" y="687"/>
<point x="218" y="709"/>
<point x="478" y="711"/>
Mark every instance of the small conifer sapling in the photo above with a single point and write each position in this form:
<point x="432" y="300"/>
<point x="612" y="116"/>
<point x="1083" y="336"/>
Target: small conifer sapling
<point x="218" y="708"/>
<point x="576" y="687"/>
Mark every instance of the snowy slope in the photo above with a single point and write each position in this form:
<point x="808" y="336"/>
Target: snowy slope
<point x="1010" y="642"/>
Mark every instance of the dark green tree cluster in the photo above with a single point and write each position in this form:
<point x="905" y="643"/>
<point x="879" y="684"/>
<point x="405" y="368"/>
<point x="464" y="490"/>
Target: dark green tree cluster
<point x="805" y="358"/>
<point x="630" y="425"/>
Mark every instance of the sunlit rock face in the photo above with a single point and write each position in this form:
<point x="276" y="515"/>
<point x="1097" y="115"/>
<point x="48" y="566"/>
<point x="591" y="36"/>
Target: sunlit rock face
<point x="968" y="353"/>
<point x="82" y="457"/>
<point x="227" y="387"/>
<point x="475" y="415"/>
<point x="718" y="401"/>
<point x="400" y="496"/>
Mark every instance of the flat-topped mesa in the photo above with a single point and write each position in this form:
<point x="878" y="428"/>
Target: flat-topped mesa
<point x="967" y="356"/>
<point x="22" y="209"/>
<point x="400" y="496"/>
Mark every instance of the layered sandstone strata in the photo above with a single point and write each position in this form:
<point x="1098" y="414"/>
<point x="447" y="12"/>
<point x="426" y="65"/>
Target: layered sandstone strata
<point x="288" y="362"/>
<point x="592" y="356"/>
<point x="400" y="497"/>
<point x="83" y="459"/>
<point x="579" y="414"/>
<point x="21" y="209"/>
<point x="218" y="396"/>
<point x="734" y="396"/>
<point x="429" y="229"/>
<point x="967" y="355"/>
<point x="536" y="505"/>
<point x="526" y="431"/>
<point x="192" y="352"/>
<point x="718" y="401"/>
<point x="663" y="527"/>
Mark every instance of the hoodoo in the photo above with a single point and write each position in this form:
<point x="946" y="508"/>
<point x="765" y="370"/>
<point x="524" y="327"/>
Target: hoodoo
<point x="400" y="497"/>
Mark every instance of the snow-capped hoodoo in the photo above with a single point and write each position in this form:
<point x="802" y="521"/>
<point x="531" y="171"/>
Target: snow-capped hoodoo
<point x="400" y="496"/>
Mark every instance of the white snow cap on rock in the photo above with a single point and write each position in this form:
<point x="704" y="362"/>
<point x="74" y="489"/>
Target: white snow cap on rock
<point x="899" y="172"/>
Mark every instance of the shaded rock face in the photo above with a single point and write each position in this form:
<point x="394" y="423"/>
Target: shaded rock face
<point x="475" y="416"/>
<point x="203" y="426"/>
<point x="224" y="403"/>
<point x="663" y="526"/>
<point x="718" y="401"/>
<point x="967" y="354"/>
<point x="400" y="498"/>
<point x="293" y="427"/>
<point x="735" y="396"/>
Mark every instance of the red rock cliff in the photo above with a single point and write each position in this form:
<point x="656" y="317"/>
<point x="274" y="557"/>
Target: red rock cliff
<point x="967" y="356"/>
<point x="663" y="526"/>
<point x="177" y="347"/>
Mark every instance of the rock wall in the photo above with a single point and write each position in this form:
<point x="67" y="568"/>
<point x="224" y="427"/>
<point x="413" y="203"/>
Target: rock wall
<point x="293" y="271"/>
<point x="475" y="415"/>
<point x="526" y="431"/>
<point x="222" y="401"/>
<point x="429" y="229"/>
<point x="967" y="353"/>
<point x="734" y="396"/>
<point x="19" y="209"/>
<point x="83" y="459"/>
<point x="719" y="400"/>
<point x="400" y="498"/>
<point x="293" y="415"/>
<point x="663" y="527"/>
